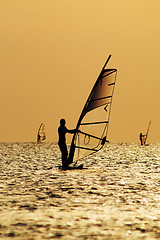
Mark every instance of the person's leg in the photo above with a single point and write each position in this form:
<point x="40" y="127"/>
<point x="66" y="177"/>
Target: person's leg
<point x="64" y="152"/>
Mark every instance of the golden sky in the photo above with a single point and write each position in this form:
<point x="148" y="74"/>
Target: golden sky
<point x="52" y="52"/>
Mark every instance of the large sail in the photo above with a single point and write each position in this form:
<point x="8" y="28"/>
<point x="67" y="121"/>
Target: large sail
<point x="41" y="136"/>
<point x="92" y="125"/>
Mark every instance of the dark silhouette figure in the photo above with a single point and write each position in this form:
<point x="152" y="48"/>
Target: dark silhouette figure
<point x="38" y="138"/>
<point x="142" y="137"/>
<point x="62" y="130"/>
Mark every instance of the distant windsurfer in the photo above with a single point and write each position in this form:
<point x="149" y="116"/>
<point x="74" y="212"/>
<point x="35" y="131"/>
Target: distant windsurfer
<point x="38" y="138"/>
<point x="142" y="138"/>
<point x="41" y="134"/>
<point x="62" y="130"/>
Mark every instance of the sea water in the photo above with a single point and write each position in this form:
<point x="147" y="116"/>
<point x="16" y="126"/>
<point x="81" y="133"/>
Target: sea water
<point x="116" y="196"/>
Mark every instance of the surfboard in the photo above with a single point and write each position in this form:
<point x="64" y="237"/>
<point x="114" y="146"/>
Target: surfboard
<point x="79" y="167"/>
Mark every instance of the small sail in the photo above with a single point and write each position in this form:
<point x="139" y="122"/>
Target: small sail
<point x="41" y="136"/>
<point x="146" y="136"/>
<point x="93" y="123"/>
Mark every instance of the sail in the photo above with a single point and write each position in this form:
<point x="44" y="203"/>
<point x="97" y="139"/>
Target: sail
<point x="145" y="138"/>
<point x="41" y="136"/>
<point x="92" y="125"/>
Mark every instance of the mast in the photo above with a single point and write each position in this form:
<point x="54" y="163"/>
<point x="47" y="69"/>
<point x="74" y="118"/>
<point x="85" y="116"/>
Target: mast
<point x="147" y="132"/>
<point x="72" y="148"/>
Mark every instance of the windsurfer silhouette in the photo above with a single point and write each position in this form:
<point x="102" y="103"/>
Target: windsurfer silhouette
<point x="141" y="136"/>
<point x="41" y="134"/>
<point x="62" y="130"/>
<point x="38" y="138"/>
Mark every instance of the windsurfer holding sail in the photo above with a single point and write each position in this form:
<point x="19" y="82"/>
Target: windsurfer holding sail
<point x="62" y="130"/>
<point x="142" y="137"/>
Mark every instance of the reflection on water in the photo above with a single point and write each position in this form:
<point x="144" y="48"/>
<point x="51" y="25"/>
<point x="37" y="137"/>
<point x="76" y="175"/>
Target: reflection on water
<point x="117" y="196"/>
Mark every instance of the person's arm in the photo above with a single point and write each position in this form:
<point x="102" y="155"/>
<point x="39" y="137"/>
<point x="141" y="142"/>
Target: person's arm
<point x="71" y="131"/>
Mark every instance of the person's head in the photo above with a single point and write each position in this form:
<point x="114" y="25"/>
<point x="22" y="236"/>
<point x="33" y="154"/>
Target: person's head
<point x="62" y="122"/>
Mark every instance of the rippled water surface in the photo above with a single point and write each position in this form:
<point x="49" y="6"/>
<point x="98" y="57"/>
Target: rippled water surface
<point x="116" y="196"/>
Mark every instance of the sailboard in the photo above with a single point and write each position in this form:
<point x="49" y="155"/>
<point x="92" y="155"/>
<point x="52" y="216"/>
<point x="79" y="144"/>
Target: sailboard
<point x="92" y="127"/>
<point x="41" y="136"/>
<point x="80" y="167"/>
<point x="146" y="135"/>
